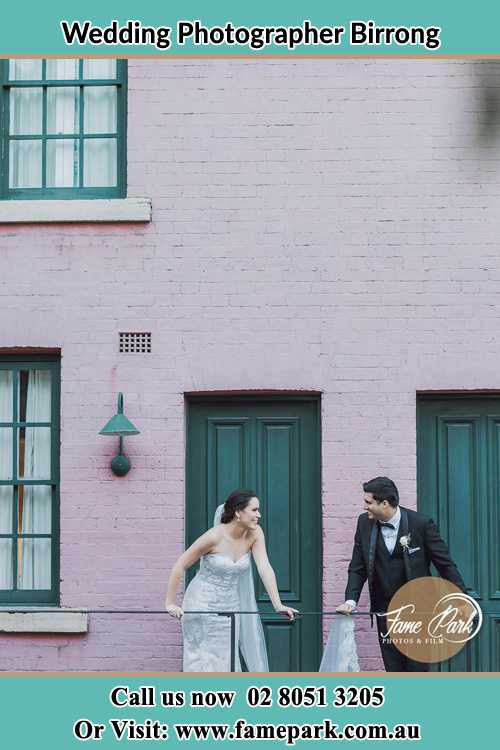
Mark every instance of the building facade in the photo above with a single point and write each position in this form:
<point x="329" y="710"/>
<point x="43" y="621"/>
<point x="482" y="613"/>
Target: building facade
<point x="309" y="252"/>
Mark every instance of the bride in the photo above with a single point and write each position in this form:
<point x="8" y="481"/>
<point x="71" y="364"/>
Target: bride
<point x="224" y="582"/>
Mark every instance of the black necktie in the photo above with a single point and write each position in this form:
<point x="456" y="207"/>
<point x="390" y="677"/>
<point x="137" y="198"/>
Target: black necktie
<point x="387" y="524"/>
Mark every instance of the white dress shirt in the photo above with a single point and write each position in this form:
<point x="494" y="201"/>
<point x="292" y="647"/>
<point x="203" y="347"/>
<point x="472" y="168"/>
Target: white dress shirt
<point x="390" y="536"/>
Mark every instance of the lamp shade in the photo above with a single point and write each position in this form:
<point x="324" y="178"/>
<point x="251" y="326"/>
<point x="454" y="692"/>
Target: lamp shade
<point x="119" y="424"/>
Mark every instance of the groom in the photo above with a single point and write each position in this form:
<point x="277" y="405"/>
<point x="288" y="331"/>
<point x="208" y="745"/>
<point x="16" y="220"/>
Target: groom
<point x="379" y="556"/>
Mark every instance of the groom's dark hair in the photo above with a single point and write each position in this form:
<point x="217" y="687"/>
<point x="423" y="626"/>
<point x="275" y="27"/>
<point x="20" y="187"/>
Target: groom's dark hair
<point x="237" y="500"/>
<point x="383" y="488"/>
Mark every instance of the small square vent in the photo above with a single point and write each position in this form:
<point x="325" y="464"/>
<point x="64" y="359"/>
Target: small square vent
<point x="135" y="342"/>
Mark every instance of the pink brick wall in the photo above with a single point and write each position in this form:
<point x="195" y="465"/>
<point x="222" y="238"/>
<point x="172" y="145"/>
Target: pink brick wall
<point x="326" y="225"/>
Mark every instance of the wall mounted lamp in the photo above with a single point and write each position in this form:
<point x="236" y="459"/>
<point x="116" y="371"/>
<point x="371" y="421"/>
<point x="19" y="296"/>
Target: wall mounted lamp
<point x="120" y="425"/>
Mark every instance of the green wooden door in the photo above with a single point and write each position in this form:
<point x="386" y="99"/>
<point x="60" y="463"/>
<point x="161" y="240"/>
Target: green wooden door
<point x="458" y="485"/>
<point x="270" y="445"/>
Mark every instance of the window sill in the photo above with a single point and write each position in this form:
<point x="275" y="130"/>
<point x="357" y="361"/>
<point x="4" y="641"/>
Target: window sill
<point x="92" y="210"/>
<point x="50" y="621"/>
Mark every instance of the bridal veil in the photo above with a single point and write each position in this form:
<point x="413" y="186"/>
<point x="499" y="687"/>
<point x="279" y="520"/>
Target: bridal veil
<point x="252" y="643"/>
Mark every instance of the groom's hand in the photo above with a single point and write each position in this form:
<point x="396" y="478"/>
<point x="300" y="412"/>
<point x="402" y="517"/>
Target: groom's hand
<point x="346" y="608"/>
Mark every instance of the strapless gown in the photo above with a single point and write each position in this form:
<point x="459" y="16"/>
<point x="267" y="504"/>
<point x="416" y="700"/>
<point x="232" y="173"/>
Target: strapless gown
<point x="207" y="638"/>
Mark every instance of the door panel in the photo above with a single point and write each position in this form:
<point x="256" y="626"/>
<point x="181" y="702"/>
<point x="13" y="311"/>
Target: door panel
<point x="493" y="512"/>
<point x="280" y="485"/>
<point x="228" y="461"/>
<point x="458" y="464"/>
<point x="460" y="502"/>
<point x="270" y="445"/>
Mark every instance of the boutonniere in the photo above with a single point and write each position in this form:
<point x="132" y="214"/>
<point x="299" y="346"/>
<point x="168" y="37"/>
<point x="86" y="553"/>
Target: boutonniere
<point x="405" y="542"/>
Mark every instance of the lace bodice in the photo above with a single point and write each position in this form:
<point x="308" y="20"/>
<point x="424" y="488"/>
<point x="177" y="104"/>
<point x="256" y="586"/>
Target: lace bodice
<point x="221" y="570"/>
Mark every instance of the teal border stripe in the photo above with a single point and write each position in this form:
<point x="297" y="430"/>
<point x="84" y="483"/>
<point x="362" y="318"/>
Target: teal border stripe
<point x="41" y="711"/>
<point x="466" y="29"/>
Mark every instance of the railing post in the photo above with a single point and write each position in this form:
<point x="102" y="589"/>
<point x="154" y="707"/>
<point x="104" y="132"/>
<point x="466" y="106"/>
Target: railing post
<point x="233" y="645"/>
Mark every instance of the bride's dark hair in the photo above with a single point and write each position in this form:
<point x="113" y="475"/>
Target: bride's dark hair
<point x="237" y="500"/>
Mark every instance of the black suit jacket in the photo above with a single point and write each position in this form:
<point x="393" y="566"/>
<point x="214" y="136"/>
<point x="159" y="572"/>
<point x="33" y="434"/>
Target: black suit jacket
<point x="424" y="534"/>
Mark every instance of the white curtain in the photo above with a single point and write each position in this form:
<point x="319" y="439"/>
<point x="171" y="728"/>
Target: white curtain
<point x="99" y="162"/>
<point x="62" y="69"/>
<point x="5" y="473"/>
<point x="26" y="155"/>
<point x="100" y="104"/>
<point x="62" y="154"/>
<point x="25" y="70"/>
<point x="34" y="555"/>
<point x="99" y="68"/>
<point x="26" y="111"/>
<point x="63" y="118"/>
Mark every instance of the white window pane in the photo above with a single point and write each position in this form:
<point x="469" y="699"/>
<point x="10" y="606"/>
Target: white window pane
<point x="99" y="109"/>
<point x="34" y="395"/>
<point x="5" y="453"/>
<point x="25" y="111"/>
<point x="6" y="396"/>
<point x="63" y="163"/>
<point x="35" y="510"/>
<point x="99" y="165"/>
<point x="25" y="70"/>
<point x="6" y="496"/>
<point x="25" y="164"/>
<point x="60" y="70"/>
<point x="63" y="107"/>
<point x="5" y="564"/>
<point x="34" y="564"/>
<point x="34" y="452"/>
<point x="97" y="69"/>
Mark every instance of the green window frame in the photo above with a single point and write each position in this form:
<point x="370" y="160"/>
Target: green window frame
<point x="14" y="539"/>
<point x="46" y="133"/>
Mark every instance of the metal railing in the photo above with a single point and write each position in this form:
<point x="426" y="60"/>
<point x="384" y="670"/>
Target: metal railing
<point x="231" y="614"/>
<point x="268" y="615"/>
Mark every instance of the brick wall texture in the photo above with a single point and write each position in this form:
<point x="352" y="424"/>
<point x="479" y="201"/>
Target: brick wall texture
<point x="327" y="225"/>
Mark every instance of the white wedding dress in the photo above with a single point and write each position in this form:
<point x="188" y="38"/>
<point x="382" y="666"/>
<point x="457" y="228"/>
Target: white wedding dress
<point x="340" y="654"/>
<point x="222" y="585"/>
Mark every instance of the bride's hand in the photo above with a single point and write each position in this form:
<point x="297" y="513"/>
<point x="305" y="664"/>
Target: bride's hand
<point x="290" y="612"/>
<point x="174" y="610"/>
